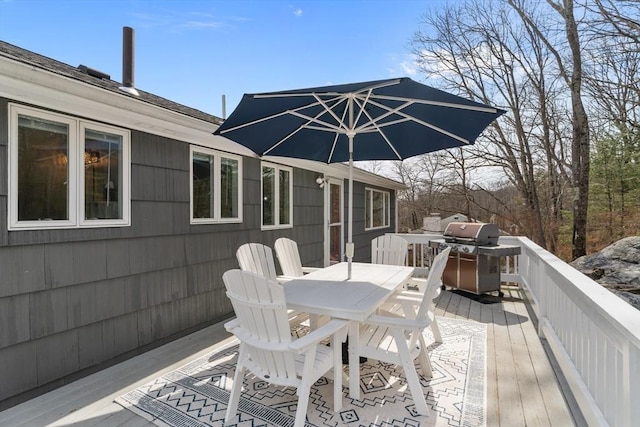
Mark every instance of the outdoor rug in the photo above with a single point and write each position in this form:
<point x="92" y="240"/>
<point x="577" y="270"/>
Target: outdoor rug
<point x="197" y="393"/>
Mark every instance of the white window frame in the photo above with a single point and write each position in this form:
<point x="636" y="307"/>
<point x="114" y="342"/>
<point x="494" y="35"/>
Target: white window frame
<point x="276" y="200"/>
<point x="217" y="161"/>
<point x="75" y="184"/>
<point x="386" y="196"/>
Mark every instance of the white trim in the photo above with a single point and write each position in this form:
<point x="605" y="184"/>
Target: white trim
<point x="276" y="200"/>
<point x="327" y="222"/>
<point x="387" y="208"/>
<point x="33" y="85"/>
<point x="13" y="221"/>
<point x="75" y="183"/>
<point x="217" y="170"/>
<point x="338" y="170"/>
<point x="29" y="84"/>
<point x="125" y="188"/>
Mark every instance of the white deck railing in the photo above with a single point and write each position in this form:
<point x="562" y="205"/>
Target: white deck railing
<point x="593" y="334"/>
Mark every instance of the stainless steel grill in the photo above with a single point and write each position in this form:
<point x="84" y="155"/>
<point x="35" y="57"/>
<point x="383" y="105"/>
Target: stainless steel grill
<point x="474" y="260"/>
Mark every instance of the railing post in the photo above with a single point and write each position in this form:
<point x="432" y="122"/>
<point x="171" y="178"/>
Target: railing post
<point x="543" y="290"/>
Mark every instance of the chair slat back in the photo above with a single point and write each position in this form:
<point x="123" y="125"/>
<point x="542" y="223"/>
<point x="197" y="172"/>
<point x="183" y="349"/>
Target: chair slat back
<point x="260" y="308"/>
<point x="289" y="257"/>
<point x="432" y="288"/>
<point x="389" y="250"/>
<point x="257" y="258"/>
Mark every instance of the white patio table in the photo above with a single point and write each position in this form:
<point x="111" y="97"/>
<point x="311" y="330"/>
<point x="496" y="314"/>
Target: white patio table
<point x="327" y="292"/>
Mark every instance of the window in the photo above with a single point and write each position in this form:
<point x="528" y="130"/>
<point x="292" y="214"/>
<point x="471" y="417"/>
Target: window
<point x="377" y="209"/>
<point x="216" y="187"/>
<point x="66" y="172"/>
<point x="277" y="203"/>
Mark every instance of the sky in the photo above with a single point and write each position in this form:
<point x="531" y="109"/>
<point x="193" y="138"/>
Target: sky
<point x="195" y="51"/>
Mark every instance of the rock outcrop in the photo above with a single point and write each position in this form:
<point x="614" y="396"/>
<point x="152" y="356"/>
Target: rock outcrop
<point x="617" y="267"/>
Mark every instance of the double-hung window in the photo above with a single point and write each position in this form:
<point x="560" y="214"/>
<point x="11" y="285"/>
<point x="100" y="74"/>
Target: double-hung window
<point x="377" y="208"/>
<point x="277" y="203"/>
<point x="66" y="172"/>
<point x="216" y="186"/>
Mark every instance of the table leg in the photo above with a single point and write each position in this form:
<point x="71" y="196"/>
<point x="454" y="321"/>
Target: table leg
<point x="354" y="361"/>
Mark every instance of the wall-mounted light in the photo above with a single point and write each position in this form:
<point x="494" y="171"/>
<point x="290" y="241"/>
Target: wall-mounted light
<point x="321" y="181"/>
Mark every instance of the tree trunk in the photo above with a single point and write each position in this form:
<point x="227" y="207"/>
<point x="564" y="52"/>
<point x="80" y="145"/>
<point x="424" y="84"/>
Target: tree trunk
<point x="580" y="147"/>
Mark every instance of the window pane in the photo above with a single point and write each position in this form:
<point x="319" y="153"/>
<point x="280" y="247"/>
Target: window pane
<point x="387" y="208"/>
<point x="43" y="169"/>
<point x="202" y="165"/>
<point x="334" y="194"/>
<point x="268" y="195"/>
<point x="285" y="213"/>
<point x="102" y="166"/>
<point x="229" y="188"/>
<point x="378" y="209"/>
<point x="367" y="209"/>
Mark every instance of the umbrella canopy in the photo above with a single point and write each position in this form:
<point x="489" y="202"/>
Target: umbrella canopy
<point x="377" y="120"/>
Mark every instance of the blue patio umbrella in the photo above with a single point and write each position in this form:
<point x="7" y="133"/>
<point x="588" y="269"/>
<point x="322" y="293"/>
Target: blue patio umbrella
<point x="378" y="120"/>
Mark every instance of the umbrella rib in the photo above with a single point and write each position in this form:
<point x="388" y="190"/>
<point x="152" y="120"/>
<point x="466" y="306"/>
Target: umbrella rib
<point x="335" y="138"/>
<point x="436" y="103"/>
<point x="407" y="117"/>
<point x="374" y="124"/>
<point x="282" y="113"/>
<point x="329" y="126"/>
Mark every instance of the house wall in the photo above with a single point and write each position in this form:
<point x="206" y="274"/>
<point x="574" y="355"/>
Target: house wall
<point x="361" y="238"/>
<point x="75" y="300"/>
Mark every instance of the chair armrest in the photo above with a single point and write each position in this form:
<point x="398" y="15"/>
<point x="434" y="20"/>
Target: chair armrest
<point x="397" y="322"/>
<point x="232" y="324"/>
<point x="284" y="279"/>
<point x="310" y="269"/>
<point x="314" y="337"/>
<point x="405" y="296"/>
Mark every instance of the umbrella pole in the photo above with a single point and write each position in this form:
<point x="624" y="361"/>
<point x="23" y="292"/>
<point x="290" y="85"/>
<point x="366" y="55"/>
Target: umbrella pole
<point x="349" y="248"/>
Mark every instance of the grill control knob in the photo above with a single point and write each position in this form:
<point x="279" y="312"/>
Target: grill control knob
<point x="465" y="249"/>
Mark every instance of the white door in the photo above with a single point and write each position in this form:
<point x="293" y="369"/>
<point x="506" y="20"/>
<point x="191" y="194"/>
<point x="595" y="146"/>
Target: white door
<point x="334" y="237"/>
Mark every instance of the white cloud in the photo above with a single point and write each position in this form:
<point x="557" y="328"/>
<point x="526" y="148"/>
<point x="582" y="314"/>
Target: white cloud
<point x="202" y="24"/>
<point x="404" y="65"/>
<point x="409" y="67"/>
<point x="297" y="12"/>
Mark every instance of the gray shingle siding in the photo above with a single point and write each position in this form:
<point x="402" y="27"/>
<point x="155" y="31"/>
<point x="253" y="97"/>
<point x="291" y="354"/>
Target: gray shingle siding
<point x="74" y="299"/>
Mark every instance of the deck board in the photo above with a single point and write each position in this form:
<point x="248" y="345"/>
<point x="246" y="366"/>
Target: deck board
<point x="522" y="388"/>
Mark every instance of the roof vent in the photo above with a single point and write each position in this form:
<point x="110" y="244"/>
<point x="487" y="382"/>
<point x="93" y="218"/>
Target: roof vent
<point x="127" y="61"/>
<point x="94" y="73"/>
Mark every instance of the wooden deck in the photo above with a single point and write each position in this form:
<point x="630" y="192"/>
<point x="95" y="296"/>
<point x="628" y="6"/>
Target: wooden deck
<point x="522" y="387"/>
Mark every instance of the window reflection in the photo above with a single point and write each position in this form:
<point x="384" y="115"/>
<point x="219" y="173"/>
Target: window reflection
<point x="268" y="196"/>
<point x="202" y="166"/>
<point x="102" y="175"/>
<point x="43" y="169"/>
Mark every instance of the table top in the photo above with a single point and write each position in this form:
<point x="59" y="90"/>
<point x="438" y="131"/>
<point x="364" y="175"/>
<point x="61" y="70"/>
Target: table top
<point x="328" y="292"/>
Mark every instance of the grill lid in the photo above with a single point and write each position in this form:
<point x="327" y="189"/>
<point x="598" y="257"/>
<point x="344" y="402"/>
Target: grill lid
<point x="474" y="233"/>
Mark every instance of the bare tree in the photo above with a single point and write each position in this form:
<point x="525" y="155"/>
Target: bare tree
<point x="571" y="73"/>
<point x="482" y="50"/>
<point x="420" y="176"/>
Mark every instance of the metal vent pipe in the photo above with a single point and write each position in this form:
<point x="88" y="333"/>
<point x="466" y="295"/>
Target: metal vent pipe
<point x="128" y="61"/>
<point x="127" y="57"/>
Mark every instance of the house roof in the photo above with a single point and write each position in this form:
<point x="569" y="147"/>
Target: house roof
<point x="25" y="56"/>
<point x="197" y="126"/>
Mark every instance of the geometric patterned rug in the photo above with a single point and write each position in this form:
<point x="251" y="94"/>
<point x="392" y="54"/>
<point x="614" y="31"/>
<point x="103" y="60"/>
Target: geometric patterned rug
<point x="197" y="394"/>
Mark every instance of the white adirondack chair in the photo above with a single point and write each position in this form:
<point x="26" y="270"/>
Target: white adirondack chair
<point x="267" y="348"/>
<point x="396" y="339"/>
<point x="389" y="249"/>
<point x="289" y="258"/>
<point x="392" y="250"/>
<point x="258" y="259"/>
